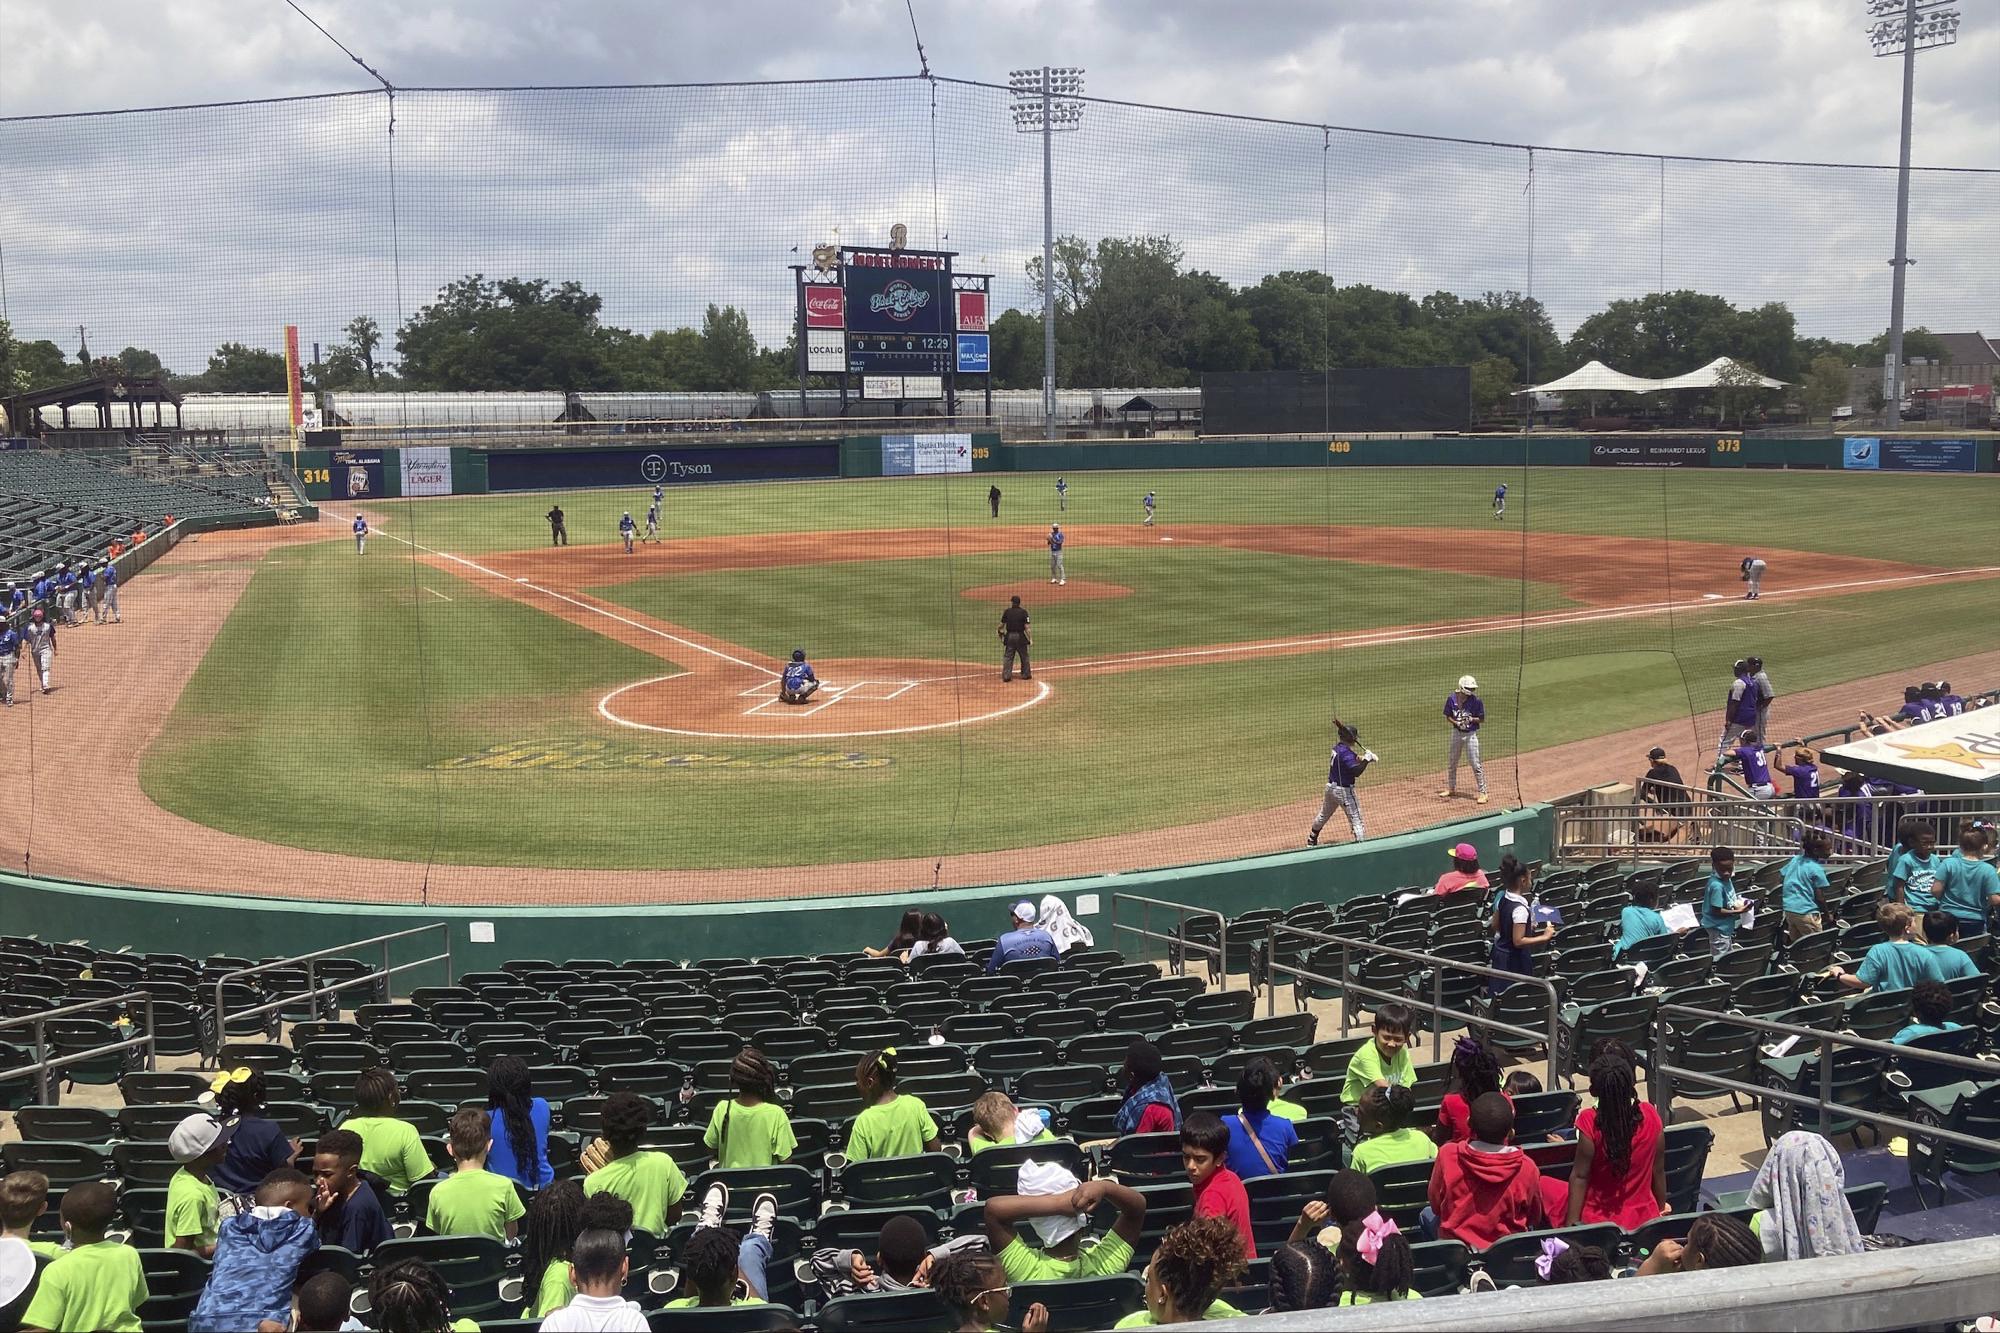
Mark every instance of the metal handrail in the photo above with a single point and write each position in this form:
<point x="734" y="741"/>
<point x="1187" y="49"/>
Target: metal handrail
<point x="313" y="992"/>
<point x="43" y="1064"/>
<point x="1179" y="938"/>
<point x="1661" y="1075"/>
<point x="1436" y="1007"/>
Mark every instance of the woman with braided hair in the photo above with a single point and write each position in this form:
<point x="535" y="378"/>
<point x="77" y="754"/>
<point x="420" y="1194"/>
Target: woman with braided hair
<point x="1620" y="1175"/>
<point x="1375" y="1262"/>
<point x="554" y="1220"/>
<point x="1184" y="1281"/>
<point x="1715" y="1240"/>
<point x="750" y="1127"/>
<point x="520" y="1123"/>
<point x="410" y="1297"/>
<point x="1474" y="1072"/>
<point x="891" y="1123"/>
<point x="974" y="1290"/>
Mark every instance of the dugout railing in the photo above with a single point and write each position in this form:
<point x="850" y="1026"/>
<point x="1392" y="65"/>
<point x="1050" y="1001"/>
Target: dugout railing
<point x="312" y="962"/>
<point x="1181" y="941"/>
<point x="1291" y="963"/>
<point x="1858" y="828"/>
<point x="1662" y="1073"/>
<point x="45" y="1064"/>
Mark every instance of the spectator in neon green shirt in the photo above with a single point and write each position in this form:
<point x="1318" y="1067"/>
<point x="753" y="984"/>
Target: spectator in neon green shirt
<point x="751" y="1128"/>
<point x="390" y="1147"/>
<point x="1184" y="1281"/>
<point x="715" y="1263"/>
<point x="1388" y="1138"/>
<point x="548" y="1231"/>
<point x="410" y="1294"/>
<point x="473" y="1201"/>
<point x="1058" y="1207"/>
<point x="193" y="1203"/>
<point x="1385" y="1058"/>
<point x="997" y="1122"/>
<point x="892" y="1124"/>
<point x="96" y="1283"/>
<point x="650" y="1181"/>
<point x="974" y="1290"/>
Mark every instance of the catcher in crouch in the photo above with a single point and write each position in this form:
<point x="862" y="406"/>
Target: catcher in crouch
<point x="800" y="682"/>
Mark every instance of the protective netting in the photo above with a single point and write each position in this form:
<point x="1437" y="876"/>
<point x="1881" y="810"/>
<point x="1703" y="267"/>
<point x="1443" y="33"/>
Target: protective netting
<point x="462" y="713"/>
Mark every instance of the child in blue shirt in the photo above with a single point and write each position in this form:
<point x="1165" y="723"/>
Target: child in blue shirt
<point x="1640" y="920"/>
<point x="1722" y="907"/>
<point x="1930" y="1013"/>
<point x="1941" y="938"/>
<point x="1895" y="964"/>
<point x="1802" y="883"/>
<point x="1913" y="875"/>
<point x="1967" y="884"/>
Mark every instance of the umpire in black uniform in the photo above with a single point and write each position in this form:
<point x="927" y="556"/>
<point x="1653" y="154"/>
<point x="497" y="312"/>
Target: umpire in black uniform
<point x="558" y="533"/>
<point x="1014" y="640"/>
<point x="993" y="499"/>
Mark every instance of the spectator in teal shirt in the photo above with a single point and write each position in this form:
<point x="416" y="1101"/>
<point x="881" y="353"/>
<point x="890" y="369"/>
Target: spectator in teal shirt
<point x="1913" y="875"/>
<point x="1804" y="881"/>
<point x="1895" y="964"/>
<point x="1930" y="1007"/>
<point x="1722" y="908"/>
<point x="1639" y="921"/>
<point x="1941" y="938"/>
<point x="1967" y="884"/>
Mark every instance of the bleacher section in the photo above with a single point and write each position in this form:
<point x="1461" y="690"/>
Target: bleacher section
<point x="1052" y="1036"/>
<point x="68" y="505"/>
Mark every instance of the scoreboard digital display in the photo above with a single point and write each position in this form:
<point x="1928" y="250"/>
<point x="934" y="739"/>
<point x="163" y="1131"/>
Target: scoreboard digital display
<point x="889" y="354"/>
<point x="898" y="300"/>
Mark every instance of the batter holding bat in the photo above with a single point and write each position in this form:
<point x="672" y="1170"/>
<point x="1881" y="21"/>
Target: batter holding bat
<point x="1342" y="772"/>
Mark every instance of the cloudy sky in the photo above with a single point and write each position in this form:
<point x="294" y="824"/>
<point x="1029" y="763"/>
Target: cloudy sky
<point x="176" y="230"/>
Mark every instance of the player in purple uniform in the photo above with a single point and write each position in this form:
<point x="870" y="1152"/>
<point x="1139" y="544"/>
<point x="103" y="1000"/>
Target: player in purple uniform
<point x="1739" y="709"/>
<point x="1756" y="771"/>
<point x="1954" y="706"/>
<point x="1464" y="710"/>
<point x="799" y="681"/>
<point x="1342" y="772"/>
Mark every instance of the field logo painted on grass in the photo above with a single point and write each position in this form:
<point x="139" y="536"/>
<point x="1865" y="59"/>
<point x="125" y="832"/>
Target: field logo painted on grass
<point x="598" y="756"/>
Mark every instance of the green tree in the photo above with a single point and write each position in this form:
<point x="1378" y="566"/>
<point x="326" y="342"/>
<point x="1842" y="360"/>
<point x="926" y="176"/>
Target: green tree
<point x="138" y="363"/>
<point x="1738" y="388"/>
<point x="513" y="333"/>
<point x="729" y="350"/>
<point x="1919" y="344"/>
<point x="1658" y="335"/>
<point x="1017" y="350"/>
<point x="237" y="368"/>
<point x="44" y="364"/>
<point x="364" y="335"/>
<point x="1826" y="385"/>
<point x="1494" y="380"/>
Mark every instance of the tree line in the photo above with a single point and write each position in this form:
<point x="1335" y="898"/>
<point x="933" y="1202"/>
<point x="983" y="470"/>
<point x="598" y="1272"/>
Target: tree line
<point x="1129" y="311"/>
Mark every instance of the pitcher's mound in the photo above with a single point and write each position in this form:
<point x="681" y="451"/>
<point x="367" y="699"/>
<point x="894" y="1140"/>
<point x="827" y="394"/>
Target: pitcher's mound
<point x="1031" y="592"/>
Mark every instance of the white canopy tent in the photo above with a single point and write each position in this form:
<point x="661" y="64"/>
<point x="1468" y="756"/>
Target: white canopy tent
<point x="1596" y="377"/>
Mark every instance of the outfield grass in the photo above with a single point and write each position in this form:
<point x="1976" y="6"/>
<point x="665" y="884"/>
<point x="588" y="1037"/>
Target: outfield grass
<point x="1180" y="595"/>
<point x="336" y="705"/>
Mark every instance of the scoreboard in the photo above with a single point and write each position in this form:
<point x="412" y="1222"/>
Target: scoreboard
<point x="889" y="354"/>
<point x="894" y="317"/>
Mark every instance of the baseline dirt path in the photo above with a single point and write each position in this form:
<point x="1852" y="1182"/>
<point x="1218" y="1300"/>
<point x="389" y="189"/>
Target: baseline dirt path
<point x="86" y="817"/>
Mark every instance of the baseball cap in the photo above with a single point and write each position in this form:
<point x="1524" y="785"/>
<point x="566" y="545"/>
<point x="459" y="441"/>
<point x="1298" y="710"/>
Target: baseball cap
<point x="196" y="1135"/>
<point x="1467" y="683"/>
<point x="1465" y="851"/>
<point x="1024" y="911"/>
<point x="1656" y="753"/>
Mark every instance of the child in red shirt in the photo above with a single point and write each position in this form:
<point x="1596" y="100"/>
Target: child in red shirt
<point x="1474" y="1072"/>
<point x="1486" y="1188"/>
<point x="1218" y="1191"/>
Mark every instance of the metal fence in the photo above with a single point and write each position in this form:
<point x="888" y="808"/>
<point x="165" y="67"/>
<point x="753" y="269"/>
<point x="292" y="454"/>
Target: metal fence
<point x="1181" y="941"/>
<point x="1858" y="828"/>
<point x="45" y="1064"/>
<point x="312" y="993"/>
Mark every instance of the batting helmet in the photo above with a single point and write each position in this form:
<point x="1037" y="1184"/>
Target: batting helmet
<point x="1468" y="684"/>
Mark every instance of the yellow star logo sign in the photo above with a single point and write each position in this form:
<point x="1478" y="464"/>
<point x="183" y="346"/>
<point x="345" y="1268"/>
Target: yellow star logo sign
<point x="1951" y="752"/>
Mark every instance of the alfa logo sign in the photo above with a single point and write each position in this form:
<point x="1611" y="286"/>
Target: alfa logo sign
<point x="971" y="312"/>
<point x="899" y="300"/>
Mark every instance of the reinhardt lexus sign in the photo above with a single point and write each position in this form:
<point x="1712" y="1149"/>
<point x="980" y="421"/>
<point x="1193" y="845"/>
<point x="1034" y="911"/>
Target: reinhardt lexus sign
<point x="1952" y="754"/>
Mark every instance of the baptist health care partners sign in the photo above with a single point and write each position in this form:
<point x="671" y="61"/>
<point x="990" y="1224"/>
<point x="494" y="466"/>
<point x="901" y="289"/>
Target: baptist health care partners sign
<point x="1952" y="754"/>
<point x="426" y="470"/>
<point x="925" y="455"/>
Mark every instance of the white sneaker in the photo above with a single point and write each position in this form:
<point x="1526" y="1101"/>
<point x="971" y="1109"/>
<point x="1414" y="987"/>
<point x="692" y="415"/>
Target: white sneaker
<point x="714" y="1205"/>
<point x="1063" y="582"/>
<point x="764" y="1216"/>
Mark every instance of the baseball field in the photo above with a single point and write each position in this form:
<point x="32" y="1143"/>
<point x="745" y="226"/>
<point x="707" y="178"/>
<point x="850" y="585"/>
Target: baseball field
<point x="464" y="694"/>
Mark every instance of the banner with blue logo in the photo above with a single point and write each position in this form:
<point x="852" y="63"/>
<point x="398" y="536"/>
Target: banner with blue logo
<point x="975" y="353"/>
<point x="1909" y="455"/>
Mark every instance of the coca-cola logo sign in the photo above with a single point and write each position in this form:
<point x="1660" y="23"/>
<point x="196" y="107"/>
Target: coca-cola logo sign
<point x="826" y="308"/>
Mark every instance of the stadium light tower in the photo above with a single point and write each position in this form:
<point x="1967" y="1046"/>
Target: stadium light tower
<point x="1905" y="27"/>
<point x="1046" y="100"/>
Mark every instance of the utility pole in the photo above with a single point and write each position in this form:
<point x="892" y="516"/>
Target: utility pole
<point x="1904" y="27"/>
<point x="1048" y="99"/>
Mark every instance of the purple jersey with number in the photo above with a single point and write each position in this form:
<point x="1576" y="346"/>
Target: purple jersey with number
<point x="1465" y="711"/>
<point x="1755" y="771"/>
<point x="1805" y="780"/>
<point x="1346" y="766"/>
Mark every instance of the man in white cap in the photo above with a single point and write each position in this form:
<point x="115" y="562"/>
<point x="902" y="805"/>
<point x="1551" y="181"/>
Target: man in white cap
<point x="1025" y="940"/>
<point x="193" y="1203"/>
<point x="1464" y="710"/>
<point x="1058" y="1207"/>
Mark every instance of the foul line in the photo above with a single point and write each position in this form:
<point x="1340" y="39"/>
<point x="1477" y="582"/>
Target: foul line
<point x="1380" y="638"/>
<point x="576" y="602"/>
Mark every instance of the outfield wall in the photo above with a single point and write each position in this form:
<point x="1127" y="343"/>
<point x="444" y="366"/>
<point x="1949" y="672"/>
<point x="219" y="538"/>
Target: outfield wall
<point x="675" y="461"/>
<point x="257" y="927"/>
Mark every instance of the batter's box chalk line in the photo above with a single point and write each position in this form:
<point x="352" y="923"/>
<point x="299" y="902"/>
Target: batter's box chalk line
<point x="877" y="691"/>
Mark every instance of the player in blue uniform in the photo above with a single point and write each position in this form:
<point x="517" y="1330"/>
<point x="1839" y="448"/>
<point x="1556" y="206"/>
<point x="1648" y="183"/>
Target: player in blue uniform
<point x="1056" y="572"/>
<point x="653" y="522"/>
<point x="1500" y="500"/>
<point x="627" y="529"/>
<point x="66" y="592"/>
<point x="86" y="591"/>
<point x="799" y="682"/>
<point x="1149" y="502"/>
<point x="1062" y="494"/>
<point x="1343" y="770"/>
<point x="10" y="657"/>
<point x="1464" y="709"/>
<point x="659" y="493"/>
<point x="109" y="600"/>
<point x="1753" y="574"/>
<point x="17" y="598"/>
<point x="360" y="534"/>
